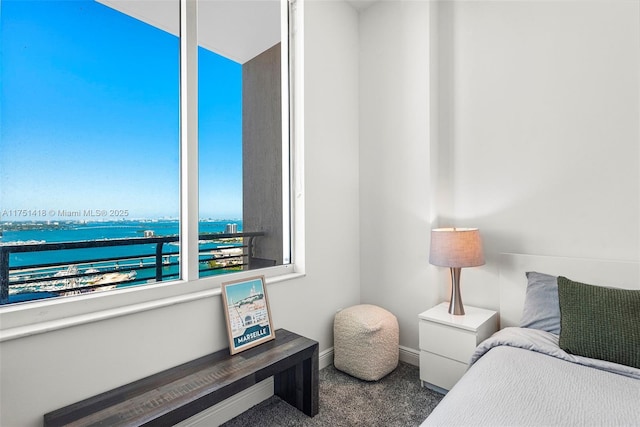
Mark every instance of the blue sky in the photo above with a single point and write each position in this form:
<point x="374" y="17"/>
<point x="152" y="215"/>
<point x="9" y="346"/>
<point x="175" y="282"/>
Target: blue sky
<point x="89" y="114"/>
<point x="240" y="291"/>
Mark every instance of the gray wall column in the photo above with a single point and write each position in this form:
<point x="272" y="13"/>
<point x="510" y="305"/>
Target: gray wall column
<point x="262" y="155"/>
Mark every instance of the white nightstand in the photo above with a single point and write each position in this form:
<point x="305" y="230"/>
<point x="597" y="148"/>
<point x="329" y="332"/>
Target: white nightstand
<point x="447" y="342"/>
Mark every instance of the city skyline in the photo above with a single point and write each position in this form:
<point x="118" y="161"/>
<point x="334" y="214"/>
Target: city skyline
<point x="90" y="116"/>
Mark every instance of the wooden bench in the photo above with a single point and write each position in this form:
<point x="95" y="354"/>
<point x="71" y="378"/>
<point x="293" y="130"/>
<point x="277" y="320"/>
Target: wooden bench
<point x="178" y="393"/>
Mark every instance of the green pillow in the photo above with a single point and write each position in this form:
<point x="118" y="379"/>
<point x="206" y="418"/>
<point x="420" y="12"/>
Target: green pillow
<point x="599" y="322"/>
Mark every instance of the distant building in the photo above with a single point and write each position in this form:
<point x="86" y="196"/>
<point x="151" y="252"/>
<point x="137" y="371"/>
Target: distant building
<point x="231" y="229"/>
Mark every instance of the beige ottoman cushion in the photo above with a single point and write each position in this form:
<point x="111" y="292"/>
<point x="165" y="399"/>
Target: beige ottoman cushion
<point x="365" y="341"/>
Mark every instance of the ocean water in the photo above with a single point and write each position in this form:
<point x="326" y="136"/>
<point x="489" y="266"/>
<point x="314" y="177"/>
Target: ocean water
<point x="81" y="231"/>
<point x="84" y="231"/>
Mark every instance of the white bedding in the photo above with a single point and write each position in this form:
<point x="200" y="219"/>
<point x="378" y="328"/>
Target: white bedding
<point x="546" y="343"/>
<point x="517" y="384"/>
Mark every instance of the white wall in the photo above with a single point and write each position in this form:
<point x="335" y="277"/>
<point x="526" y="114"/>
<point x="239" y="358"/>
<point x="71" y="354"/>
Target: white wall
<point x="395" y="155"/>
<point x="43" y="372"/>
<point x="544" y="138"/>
<point x="537" y="139"/>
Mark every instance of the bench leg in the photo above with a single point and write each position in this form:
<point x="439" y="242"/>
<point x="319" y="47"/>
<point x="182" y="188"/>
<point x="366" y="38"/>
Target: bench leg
<point x="298" y="385"/>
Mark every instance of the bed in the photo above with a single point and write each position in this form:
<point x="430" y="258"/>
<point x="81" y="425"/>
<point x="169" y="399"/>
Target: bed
<point x="576" y="361"/>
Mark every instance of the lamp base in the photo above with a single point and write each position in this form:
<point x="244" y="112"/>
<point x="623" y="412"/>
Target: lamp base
<point x="455" y="304"/>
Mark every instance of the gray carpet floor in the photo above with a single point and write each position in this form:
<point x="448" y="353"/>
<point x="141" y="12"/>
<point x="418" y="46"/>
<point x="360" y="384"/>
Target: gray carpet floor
<point x="396" y="400"/>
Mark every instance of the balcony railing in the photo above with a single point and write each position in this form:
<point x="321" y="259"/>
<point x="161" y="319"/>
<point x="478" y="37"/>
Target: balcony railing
<point x="152" y="259"/>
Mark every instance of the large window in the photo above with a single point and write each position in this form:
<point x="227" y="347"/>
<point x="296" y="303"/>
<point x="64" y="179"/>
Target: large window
<point x="241" y="134"/>
<point x="97" y="188"/>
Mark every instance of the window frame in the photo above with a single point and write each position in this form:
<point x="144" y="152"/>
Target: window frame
<point x="41" y="316"/>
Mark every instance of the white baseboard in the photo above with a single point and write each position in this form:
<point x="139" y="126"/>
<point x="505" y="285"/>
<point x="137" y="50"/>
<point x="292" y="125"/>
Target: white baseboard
<point x="231" y="407"/>
<point x="410" y="356"/>
<point x="240" y="402"/>
<point x="326" y="358"/>
<point x="407" y="355"/>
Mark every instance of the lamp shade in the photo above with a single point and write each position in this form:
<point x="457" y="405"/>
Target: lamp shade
<point x="456" y="247"/>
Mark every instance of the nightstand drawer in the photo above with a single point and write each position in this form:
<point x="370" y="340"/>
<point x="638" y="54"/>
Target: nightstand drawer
<point x="453" y="343"/>
<point x="447" y="342"/>
<point x="440" y="371"/>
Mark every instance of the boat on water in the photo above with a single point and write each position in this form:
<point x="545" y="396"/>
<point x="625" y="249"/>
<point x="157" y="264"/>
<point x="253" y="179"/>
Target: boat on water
<point x="104" y="282"/>
<point x="72" y="282"/>
<point x="110" y="278"/>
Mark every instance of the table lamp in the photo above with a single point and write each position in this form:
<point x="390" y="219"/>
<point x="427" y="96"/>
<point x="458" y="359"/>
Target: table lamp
<point x="456" y="248"/>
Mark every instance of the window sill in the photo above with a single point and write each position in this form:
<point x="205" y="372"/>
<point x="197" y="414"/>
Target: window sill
<point x="35" y="328"/>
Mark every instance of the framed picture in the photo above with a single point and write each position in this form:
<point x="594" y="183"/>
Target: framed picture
<point x="246" y="311"/>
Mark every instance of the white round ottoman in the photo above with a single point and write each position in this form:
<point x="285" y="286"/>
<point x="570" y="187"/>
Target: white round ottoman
<point x="365" y="341"/>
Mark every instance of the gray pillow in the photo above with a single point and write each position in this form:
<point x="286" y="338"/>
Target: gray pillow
<point x="541" y="306"/>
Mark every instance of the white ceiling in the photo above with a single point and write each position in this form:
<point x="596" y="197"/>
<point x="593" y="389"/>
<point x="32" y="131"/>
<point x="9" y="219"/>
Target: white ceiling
<point x="236" y="29"/>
